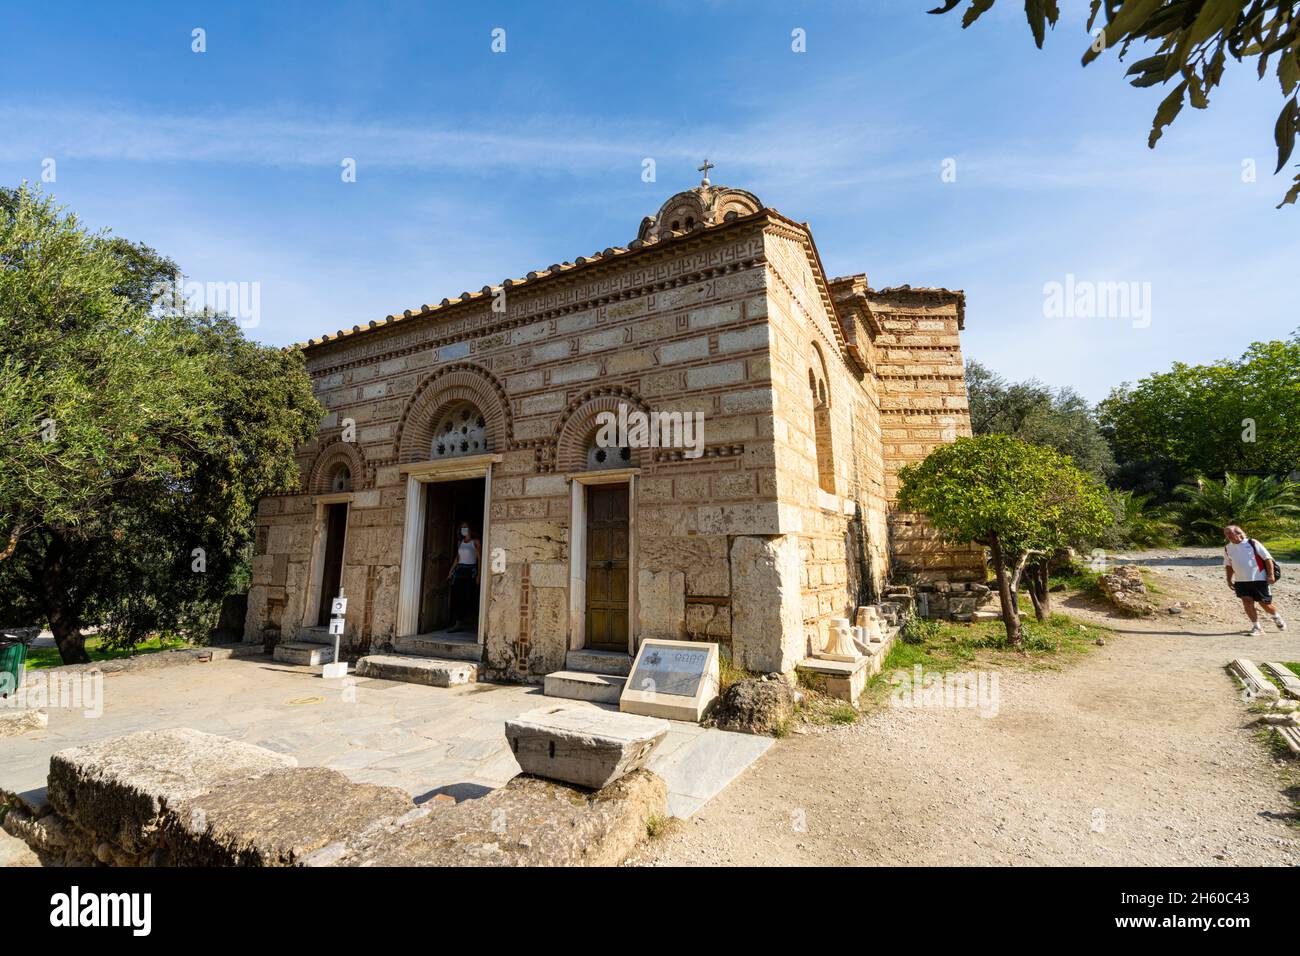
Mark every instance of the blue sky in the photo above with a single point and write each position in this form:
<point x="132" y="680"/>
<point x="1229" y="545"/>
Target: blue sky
<point x="474" y="166"/>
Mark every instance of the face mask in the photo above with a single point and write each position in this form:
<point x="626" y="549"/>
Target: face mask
<point x="464" y="530"/>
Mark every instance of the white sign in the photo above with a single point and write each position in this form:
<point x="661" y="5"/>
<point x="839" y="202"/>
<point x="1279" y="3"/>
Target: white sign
<point x="338" y="607"/>
<point x="673" y="679"/>
<point x="336" y="625"/>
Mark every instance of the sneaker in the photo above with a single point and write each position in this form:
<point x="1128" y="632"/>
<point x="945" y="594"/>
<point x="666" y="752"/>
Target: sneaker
<point x="1255" y="631"/>
<point x="1281" y="624"/>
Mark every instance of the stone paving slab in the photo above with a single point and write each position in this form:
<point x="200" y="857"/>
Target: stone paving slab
<point x="423" y="740"/>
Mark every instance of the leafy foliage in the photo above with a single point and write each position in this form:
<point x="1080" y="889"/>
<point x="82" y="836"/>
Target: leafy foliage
<point x="1230" y="416"/>
<point x="1207" y="506"/>
<point x="133" y="436"/>
<point x="1032" y="412"/>
<point x="1015" y="498"/>
<point x="1137" y="523"/>
<point x="1190" y="42"/>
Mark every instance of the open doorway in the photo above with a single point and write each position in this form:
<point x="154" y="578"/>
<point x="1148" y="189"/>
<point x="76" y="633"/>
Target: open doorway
<point x="451" y="564"/>
<point x="331" y="576"/>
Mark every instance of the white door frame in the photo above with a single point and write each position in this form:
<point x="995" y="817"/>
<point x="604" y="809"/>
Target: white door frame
<point x="417" y="476"/>
<point x="320" y="531"/>
<point x="578" y="552"/>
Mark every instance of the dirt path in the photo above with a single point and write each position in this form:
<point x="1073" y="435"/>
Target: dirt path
<point x="1141" y="753"/>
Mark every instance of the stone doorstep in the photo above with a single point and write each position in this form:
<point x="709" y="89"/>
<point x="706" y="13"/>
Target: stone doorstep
<point x="417" y="670"/>
<point x="315" y="635"/>
<point x="425" y="646"/>
<point x="303" y="652"/>
<point x="1288" y="678"/>
<point x="586" y="661"/>
<point x="221" y="652"/>
<point x="581" y="685"/>
<point x="1253" y="679"/>
<point x="582" y="745"/>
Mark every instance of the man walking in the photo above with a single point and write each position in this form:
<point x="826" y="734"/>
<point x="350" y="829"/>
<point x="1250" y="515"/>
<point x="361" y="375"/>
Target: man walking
<point x="1250" y="572"/>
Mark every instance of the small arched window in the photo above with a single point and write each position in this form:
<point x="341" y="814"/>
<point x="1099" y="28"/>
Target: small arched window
<point x="340" y="479"/>
<point x="460" y="430"/>
<point x="822" y="423"/>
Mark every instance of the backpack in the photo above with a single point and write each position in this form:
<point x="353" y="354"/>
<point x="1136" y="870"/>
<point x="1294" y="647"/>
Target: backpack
<point x="1277" y="568"/>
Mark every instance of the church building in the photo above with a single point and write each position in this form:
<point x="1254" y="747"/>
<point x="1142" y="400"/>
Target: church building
<point x="695" y="436"/>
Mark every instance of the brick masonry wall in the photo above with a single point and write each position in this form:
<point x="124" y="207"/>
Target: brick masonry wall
<point x="923" y="404"/>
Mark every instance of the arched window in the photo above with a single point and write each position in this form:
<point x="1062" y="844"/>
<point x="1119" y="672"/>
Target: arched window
<point x="822" y="423"/>
<point x="340" y="479"/>
<point x="459" y="430"/>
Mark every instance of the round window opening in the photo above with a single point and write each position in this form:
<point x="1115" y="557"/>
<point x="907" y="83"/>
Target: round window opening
<point x="459" y="430"/>
<point x="599" y="459"/>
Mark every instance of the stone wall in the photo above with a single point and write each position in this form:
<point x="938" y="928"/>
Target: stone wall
<point x="923" y="404"/>
<point x="685" y="331"/>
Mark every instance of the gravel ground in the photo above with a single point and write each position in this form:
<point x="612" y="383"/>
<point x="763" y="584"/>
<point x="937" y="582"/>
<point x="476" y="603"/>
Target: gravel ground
<point x="1140" y="753"/>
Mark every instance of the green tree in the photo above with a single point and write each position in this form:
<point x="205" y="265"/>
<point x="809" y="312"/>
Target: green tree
<point x="1190" y="42"/>
<point x="1208" y="506"/>
<point x="1229" y="416"/>
<point x="1032" y="412"/>
<point x="137" y="440"/>
<point x="1020" y="501"/>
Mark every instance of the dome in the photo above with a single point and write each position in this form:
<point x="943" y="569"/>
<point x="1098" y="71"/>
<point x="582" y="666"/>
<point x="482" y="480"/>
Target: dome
<point x="705" y="205"/>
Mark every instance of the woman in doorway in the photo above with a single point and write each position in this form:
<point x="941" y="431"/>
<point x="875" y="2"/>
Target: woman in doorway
<point x="464" y="580"/>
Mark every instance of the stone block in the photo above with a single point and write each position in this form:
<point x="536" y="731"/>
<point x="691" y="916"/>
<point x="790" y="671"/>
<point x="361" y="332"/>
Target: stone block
<point x="276" y="819"/>
<point x="582" y="745"/>
<point x="119" y="788"/>
<point x="528" y="822"/>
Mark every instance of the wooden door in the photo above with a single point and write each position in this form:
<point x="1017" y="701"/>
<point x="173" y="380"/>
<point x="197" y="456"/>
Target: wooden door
<point x="336" y="523"/>
<point x="435" y="592"/>
<point x="607" y="567"/>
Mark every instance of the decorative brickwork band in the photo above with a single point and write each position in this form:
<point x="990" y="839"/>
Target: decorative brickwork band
<point x="578" y="426"/>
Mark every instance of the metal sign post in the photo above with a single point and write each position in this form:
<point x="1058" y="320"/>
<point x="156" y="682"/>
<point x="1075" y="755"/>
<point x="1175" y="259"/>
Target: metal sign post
<point x="338" y="610"/>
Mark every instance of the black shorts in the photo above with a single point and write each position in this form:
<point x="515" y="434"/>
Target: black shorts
<point x="1258" y="590"/>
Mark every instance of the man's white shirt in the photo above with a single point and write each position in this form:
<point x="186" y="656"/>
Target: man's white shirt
<point x="1241" y="558"/>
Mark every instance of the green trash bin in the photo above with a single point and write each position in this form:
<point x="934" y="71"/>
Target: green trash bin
<point x="13" y="658"/>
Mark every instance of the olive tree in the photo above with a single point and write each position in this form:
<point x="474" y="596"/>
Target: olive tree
<point x="1020" y="501"/>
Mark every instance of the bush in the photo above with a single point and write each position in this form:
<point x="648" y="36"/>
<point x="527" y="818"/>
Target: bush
<point x="920" y="630"/>
<point x="1257" y="504"/>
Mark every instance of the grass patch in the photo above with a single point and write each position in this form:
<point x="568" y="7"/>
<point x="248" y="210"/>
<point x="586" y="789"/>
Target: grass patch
<point x="952" y="646"/>
<point x="1283" y="548"/>
<point x="1083" y="580"/>
<point x="656" y="826"/>
<point x="1292" y="666"/>
<point x="42" y="657"/>
<point x="729" y="673"/>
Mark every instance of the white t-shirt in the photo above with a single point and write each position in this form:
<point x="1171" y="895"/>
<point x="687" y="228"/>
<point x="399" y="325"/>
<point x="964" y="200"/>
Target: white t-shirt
<point x="1241" y="558"/>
